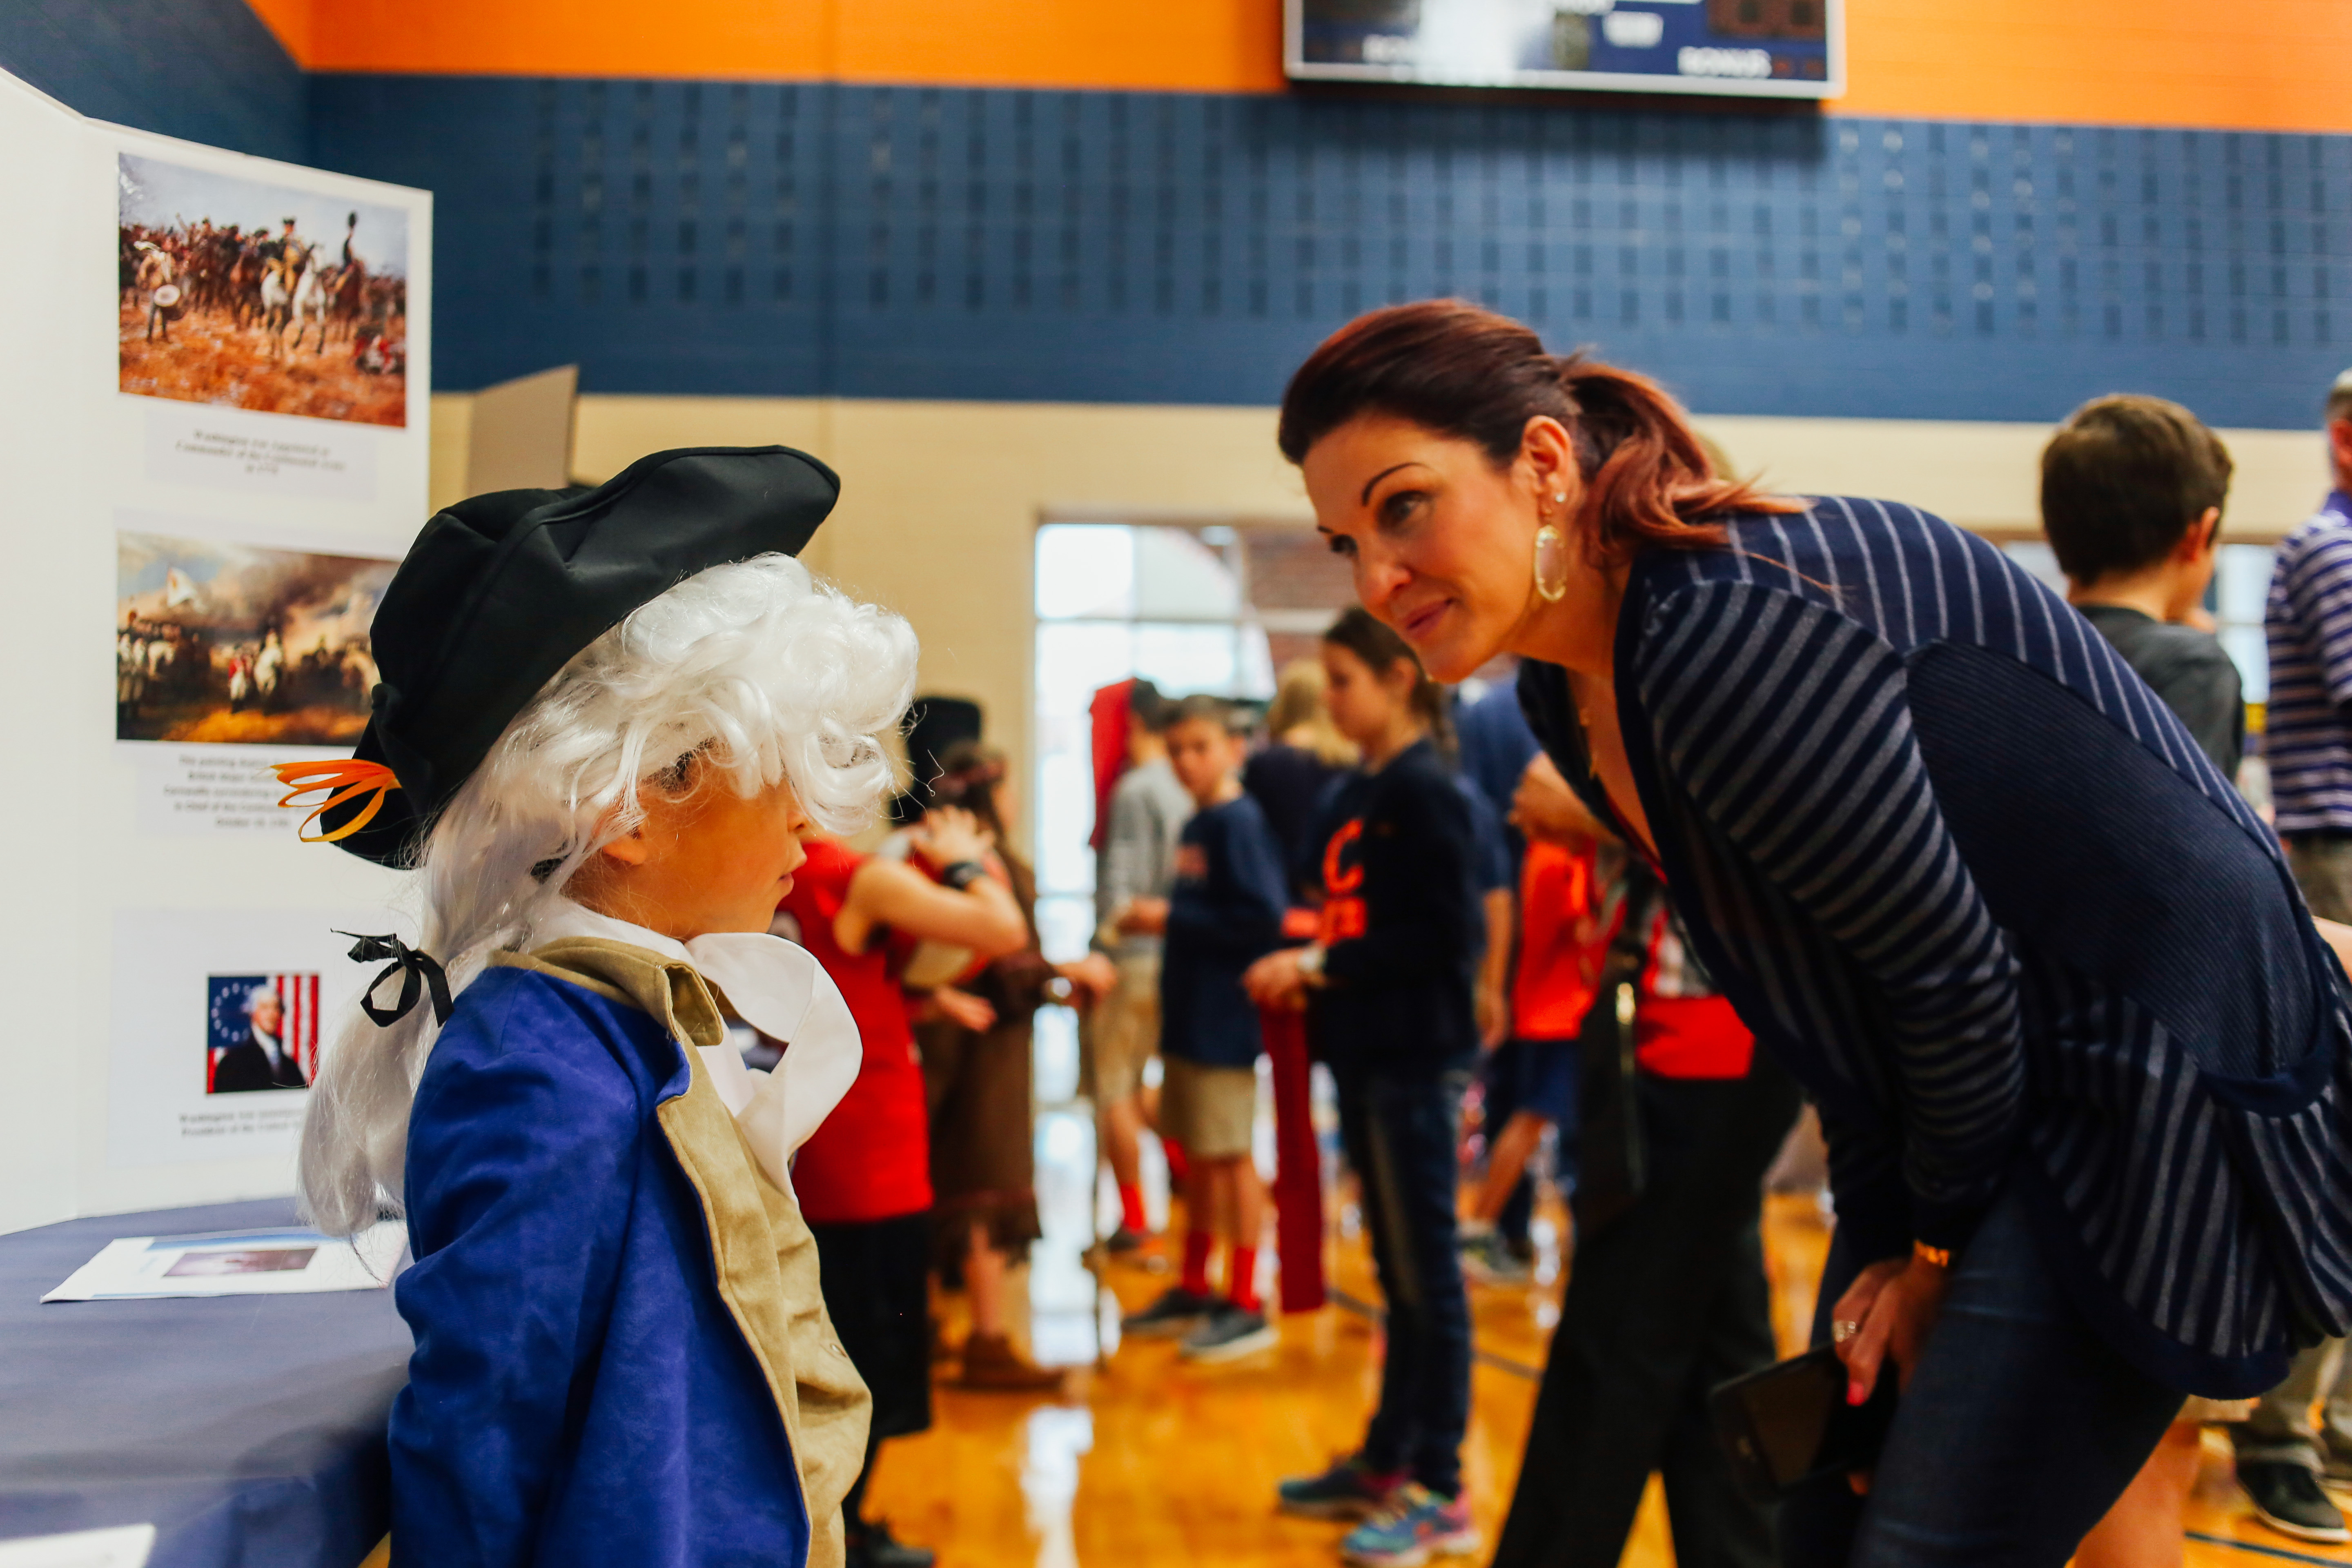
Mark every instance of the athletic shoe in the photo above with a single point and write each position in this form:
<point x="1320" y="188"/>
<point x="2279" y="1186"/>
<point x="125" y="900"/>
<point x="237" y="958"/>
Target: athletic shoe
<point x="1488" y="1259"/>
<point x="2288" y="1499"/>
<point x="1178" y="1312"/>
<point x="1229" y="1333"/>
<point x="1421" y="1525"/>
<point x="871" y="1545"/>
<point x="2337" y="1470"/>
<point x="1349" y="1490"/>
<point x="1124" y="1240"/>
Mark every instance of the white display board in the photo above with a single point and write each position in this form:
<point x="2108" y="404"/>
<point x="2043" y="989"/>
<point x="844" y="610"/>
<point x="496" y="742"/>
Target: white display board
<point x="213" y="421"/>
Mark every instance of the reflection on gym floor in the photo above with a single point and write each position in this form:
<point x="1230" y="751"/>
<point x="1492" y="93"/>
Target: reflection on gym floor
<point x="1144" y="1459"/>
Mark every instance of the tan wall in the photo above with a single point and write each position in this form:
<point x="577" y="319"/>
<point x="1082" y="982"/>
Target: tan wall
<point x="939" y="499"/>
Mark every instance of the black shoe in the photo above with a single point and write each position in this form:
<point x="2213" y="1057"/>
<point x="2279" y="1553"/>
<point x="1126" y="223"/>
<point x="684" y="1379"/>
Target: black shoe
<point x="1229" y="1333"/>
<point x="871" y="1545"/>
<point x="2287" y="1498"/>
<point x="1124" y="1240"/>
<point x="1177" y="1312"/>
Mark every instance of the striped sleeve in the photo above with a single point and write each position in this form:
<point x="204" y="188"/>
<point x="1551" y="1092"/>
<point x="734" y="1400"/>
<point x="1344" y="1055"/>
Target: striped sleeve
<point x="2319" y="588"/>
<point x="1786" y="727"/>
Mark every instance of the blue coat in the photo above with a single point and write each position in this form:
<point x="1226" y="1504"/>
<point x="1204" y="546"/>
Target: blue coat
<point x="618" y="1335"/>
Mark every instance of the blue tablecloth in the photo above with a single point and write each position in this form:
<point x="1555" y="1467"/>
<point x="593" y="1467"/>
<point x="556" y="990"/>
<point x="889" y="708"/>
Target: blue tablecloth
<point x="248" y="1429"/>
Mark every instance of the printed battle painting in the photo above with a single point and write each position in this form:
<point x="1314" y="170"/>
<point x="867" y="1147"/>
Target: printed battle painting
<point x="261" y="1032"/>
<point x="245" y="295"/>
<point x="233" y="644"/>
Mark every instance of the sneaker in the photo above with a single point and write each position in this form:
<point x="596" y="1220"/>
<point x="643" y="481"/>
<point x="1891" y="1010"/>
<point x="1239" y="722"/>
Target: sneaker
<point x="1419" y="1526"/>
<point x="2336" y="1470"/>
<point x="1178" y="1312"/>
<point x="2287" y="1498"/>
<point x="871" y="1545"/>
<point x="1123" y="1241"/>
<point x="1229" y="1333"/>
<point x="1349" y="1490"/>
<point x="1489" y="1260"/>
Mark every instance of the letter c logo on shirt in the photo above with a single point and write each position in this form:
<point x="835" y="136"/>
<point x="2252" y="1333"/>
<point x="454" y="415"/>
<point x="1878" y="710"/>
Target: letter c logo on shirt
<point x="1339" y="874"/>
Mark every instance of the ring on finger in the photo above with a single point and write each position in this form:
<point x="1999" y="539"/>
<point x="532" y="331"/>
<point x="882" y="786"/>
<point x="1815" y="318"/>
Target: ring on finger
<point x="1843" y="1330"/>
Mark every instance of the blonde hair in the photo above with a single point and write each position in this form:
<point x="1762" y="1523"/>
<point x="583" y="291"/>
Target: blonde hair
<point x="756" y="669"/>
<point x="1298" y="716"/>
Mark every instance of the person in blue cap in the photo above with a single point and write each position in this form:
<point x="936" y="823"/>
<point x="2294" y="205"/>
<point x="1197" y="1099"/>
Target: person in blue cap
<point x="605" y="717"/>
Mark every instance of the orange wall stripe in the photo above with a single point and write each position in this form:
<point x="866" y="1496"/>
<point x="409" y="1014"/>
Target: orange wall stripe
<point x="707" y="38"/>
<point x="291" y="20"/>
<point x="2253" y="64"/>
<point x="1186" y="46"/>
<point x="2268" y="65"/>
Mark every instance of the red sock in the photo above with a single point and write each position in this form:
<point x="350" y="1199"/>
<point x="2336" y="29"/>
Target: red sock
<point x="1178" y="1165"/>
<point x="1131" y="1207"/>
<point x="1240" y="1278"/>
<point x="1196" y="1262"/>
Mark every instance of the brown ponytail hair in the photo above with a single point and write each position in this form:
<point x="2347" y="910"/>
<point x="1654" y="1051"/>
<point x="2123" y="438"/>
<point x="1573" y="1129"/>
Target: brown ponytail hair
<point x="1382" y="650"/>
<point x="1466" y="372"/>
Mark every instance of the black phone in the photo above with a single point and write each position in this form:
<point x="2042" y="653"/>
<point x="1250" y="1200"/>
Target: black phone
<point x="1790" y="1423"/>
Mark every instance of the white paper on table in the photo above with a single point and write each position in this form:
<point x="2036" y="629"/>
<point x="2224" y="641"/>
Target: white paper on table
<point x="286" y="1261"/>
<point x="127" y="1546"/>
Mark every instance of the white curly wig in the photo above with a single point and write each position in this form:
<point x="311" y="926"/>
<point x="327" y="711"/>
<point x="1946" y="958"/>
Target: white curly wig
<point x="758" y="670"/>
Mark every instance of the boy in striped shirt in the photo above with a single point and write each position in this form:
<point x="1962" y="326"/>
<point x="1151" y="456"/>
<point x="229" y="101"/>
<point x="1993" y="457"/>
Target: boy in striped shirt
<point x="2308" y="741"/>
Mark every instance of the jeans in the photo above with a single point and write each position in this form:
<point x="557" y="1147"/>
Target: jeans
<point x="2019" y="1428"/>
<point x="1398" y="1129"/>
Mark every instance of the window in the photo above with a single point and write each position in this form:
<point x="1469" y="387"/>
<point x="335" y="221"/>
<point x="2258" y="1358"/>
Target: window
<point x="1115" y="600"/>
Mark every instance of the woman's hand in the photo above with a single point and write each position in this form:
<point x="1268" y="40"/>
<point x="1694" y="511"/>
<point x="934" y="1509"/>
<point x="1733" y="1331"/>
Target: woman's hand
<point x="1892" y="1306"/>
<point x="1277" y="981"/>
<point x="948" y="833"/>
<point x="963" y="1009"/>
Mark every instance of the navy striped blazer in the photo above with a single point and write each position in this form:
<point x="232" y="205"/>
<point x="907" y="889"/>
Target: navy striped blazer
<point x="1981" y="892"/>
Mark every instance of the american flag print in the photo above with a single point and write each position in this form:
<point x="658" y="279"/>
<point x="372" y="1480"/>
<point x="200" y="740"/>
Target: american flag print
<point x="229" y="1018"/>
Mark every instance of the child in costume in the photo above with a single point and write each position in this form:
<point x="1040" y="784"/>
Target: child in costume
<point x="604" y="718"/>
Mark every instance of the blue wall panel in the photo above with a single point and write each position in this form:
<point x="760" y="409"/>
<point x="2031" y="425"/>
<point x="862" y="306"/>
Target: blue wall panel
<point x="208" y="70"/>
<point x="712" y="237"/>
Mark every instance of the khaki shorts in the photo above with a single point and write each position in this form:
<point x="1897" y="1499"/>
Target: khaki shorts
<point x="2322" y="864"/>
<point x="1122" y="1031"/>
<point x="1210" y="1110"/>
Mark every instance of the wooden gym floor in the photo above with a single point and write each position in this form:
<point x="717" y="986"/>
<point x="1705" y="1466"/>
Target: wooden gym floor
<point x="1146" y="1460"/>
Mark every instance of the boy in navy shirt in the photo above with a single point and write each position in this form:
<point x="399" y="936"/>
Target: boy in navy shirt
<point x="1225" y="913"/>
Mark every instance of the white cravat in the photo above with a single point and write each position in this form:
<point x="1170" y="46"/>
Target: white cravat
<point x="781" y="991"/>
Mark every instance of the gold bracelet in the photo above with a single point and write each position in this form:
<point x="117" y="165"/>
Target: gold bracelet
<point x="1941" y="1256"/>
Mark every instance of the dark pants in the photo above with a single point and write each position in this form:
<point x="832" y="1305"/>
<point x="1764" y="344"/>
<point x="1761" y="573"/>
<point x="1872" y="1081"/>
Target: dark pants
<point x="878" y="1298"/>
<point x="1498" y="1080"/>
<point x="2020" y="1429"/>
<point x="1519" y="1075"/>
<point x="1399" y="1130"/>
<point x="1664" y="1300"/>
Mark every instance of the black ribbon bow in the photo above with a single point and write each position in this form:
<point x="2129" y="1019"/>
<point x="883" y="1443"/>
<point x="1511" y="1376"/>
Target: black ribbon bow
<point x="418" y="971"/>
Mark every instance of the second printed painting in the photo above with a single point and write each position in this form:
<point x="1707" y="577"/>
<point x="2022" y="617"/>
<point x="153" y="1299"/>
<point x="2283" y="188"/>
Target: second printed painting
<point x="241" y="643"/>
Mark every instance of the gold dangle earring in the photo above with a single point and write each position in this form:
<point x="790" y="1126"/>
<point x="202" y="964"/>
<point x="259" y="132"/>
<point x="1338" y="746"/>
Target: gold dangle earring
<point x="1551" y="558"/>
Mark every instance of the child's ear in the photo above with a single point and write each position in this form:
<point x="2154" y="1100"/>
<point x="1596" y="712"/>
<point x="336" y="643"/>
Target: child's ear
<point x="629" y="849"/>
<point x="2200" y="535"/>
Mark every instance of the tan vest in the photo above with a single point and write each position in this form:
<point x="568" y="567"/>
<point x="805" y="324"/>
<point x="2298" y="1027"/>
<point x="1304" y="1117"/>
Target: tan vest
<point x="766" y="1258"/>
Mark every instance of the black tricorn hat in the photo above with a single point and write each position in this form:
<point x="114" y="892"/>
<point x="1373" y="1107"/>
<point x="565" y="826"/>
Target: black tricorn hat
<point x="499" y="592"/>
